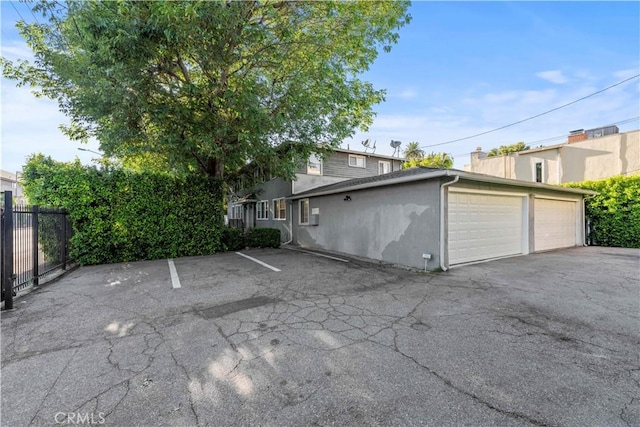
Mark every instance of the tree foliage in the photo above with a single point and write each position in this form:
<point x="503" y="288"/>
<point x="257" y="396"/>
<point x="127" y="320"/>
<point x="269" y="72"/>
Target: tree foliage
<point x="508" y="149"/>
<point x="413" y="151"/>
<point x="614" y="213"/>
<point x="431" y="160"/>
<point x="119" y="215"/>
<point x="209" y="86"/>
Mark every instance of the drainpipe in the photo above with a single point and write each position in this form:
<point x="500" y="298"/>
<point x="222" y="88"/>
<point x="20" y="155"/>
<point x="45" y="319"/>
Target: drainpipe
<point x="442" y="213"/>
<point x="290" y="226"/>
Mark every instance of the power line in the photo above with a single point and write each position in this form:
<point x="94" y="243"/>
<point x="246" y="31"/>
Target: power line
<point x="555" y="138"/>
<point x="17" y="11"/>
<point x="532" y="117"/>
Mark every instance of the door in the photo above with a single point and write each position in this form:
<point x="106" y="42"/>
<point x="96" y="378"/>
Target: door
<point x="484" y="226"/>
<point x="554" y="224"/>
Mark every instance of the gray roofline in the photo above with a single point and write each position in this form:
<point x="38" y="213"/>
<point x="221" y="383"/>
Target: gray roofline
<point x="362" y="153"/>
<point x="436" y="174"/>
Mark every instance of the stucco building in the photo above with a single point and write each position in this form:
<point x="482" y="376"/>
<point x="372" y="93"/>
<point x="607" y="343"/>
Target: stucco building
<point x="587" y="155"/>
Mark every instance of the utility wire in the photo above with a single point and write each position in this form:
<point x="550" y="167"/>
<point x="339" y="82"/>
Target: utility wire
<point x="17" y="11"/>
<point x="555" y="138"/>
<point x="533" y="117"/>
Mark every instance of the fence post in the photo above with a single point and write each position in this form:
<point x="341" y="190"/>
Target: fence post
<point x="35" y="212"/>
<point x="64" y="242"/>
<point x="7" y="251"/>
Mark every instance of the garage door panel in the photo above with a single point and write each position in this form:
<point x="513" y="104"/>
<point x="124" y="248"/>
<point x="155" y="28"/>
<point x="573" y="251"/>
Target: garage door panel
<point x="483" y="226"/>
<point x="554" y="224"/>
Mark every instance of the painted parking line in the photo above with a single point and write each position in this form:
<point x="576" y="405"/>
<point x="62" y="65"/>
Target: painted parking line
<point x="175" y="280"/>
<point x="264" y="264"/>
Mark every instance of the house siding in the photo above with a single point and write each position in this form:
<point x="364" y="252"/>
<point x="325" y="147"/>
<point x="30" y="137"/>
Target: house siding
<point x="395" y="223"/>
<point x="275" y="189"/>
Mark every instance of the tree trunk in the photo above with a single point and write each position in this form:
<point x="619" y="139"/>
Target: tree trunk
<point x="215" y="168"/>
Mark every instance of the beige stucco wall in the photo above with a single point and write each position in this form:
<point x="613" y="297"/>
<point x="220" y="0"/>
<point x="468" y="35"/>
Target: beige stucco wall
<point x="591" y="159"/>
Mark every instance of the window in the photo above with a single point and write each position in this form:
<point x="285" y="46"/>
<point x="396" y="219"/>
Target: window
<point x="357" y="161"/>
<point x="279" y="209"/>
<point x="538" y="171"/>
<point x="314" y="166"/>
<point x="262" y="208"/>
<point x="383" y="167"/>
<point x="304" y="211"/>
<point x="236" y="212"/>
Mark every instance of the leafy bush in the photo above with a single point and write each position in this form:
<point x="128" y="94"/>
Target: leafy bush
<point x="233" y="239"/>
<point x="120" y="215"/>
<point x="615" y="212"/>
<point x="263" y="238"/>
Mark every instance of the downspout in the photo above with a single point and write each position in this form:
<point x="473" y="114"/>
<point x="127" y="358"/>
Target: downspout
<point x="584" y="217"/>
<point x="442" y="213"/>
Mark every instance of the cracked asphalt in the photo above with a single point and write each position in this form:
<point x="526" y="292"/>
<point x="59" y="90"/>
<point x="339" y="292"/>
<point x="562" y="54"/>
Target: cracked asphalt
<point x="550" y="339"/>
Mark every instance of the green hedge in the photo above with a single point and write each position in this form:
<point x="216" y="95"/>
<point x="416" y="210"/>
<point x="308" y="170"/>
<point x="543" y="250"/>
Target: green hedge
<point x="263" y="238"/>
<point x="615" y="212"/>
<point x="235" y="239"/>
<point x="120" y="215"/>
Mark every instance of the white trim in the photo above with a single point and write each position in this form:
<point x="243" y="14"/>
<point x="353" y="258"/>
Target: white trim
<point x="564" y="199"/>
<point x="543" y="169"/>
<point x="384" y="162"/>
<point x="273" y="204"/>
<point x="491" y="192"/>
<point x="266" y="211"/>
<point x="319" y="160"/>
<point x="300" y="212"/>
<point x="356" y="156"/>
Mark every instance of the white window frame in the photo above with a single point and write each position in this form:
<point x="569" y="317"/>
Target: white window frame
<point x="262" y="210"/>
<point x="535" y="169"/>
<point x="356" y="158"/>
<point x="313" y="170"/>
<point x="236" y="211"/>
<point x="280" y="202"/>
<point x="303" y="205"/>
<point x="382" y="163"/>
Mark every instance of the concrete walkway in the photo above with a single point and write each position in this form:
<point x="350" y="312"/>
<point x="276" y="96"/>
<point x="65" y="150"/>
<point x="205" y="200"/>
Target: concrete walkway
<point x="547" y="339"/>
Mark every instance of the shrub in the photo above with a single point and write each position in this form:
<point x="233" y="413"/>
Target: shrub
<point x="263" y="238"/>
<point x="615" y="212"/>
<point x="233" y="239"/>
<point x="120" y="215"/>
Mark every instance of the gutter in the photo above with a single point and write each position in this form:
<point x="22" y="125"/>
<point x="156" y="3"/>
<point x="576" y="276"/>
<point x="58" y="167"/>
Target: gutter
<point x="445" y="172"/>
<point x="442" y="215"/>
<point x="290" y="227"/>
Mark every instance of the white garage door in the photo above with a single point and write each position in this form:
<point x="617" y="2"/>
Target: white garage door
<point x="554" y="224"/>
<point x="483" y="226"/>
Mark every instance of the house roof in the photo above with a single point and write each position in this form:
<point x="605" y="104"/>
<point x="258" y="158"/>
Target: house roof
<point x="423" y="173"/>
<point x="362" y="153"/>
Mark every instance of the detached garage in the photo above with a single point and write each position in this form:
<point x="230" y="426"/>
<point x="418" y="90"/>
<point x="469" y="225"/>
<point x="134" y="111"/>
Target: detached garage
<point x="443" y="217"/>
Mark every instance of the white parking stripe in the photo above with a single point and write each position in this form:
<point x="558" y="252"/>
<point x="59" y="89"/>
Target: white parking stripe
<point x="175" y="280"/>
<point x="258" y="261"/>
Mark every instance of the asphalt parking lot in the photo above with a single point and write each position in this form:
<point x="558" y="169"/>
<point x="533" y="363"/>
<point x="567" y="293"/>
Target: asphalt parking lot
<point x="550" y="339"/>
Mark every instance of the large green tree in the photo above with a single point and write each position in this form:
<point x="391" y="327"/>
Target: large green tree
<point x="413" y="151"/>
<point x="431" y="160"/>
<point x="211" y="86"/>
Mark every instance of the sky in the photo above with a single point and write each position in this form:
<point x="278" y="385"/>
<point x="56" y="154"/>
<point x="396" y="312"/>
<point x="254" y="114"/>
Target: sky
<point x="459" y="69"/>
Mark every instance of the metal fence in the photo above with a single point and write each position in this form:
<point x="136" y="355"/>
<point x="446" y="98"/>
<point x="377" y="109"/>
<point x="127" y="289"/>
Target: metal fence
<point x="34" y="246"/>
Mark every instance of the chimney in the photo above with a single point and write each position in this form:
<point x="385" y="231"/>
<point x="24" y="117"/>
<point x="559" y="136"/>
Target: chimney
<point x="576" y="136"/>
<point x="477" y="155"/>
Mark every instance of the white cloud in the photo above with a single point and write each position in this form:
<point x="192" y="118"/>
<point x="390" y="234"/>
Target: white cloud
<point x="625" y="74"/>
<point x="553" y="76"/>
<point x="408" y="94"/>
<point x="16" y="49"/>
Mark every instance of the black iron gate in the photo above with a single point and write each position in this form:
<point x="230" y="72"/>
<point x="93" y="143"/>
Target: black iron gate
<point x="34" y="246"/>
